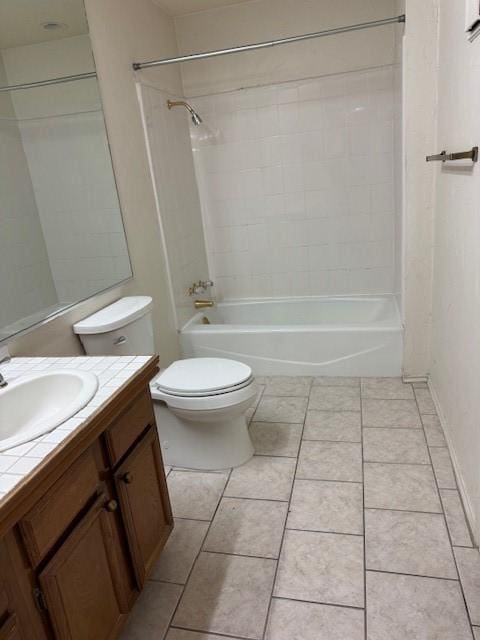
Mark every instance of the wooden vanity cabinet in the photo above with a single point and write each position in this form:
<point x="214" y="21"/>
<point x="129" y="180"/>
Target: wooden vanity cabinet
<point x="91" y="538"/>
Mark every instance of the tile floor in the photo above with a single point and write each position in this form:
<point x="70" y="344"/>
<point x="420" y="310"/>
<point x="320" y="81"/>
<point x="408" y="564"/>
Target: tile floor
<point x="347" y="524"/>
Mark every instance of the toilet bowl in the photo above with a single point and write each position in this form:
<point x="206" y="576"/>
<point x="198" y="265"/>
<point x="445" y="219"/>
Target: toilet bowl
<point x="199" y="403"/>
<point x="200" y="406"/>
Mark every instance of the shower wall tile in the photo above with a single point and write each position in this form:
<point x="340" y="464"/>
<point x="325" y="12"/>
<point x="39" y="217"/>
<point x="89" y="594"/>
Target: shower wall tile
<point x="297" y="186"/>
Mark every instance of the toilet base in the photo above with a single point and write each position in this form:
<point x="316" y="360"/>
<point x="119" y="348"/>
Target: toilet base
<point x="208" y="446"/>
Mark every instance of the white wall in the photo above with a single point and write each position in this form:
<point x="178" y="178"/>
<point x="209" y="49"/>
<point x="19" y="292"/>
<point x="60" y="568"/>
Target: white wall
<point x="168" y="139"/>
<point x="297" y="184"/>
<point x="455" y="371"/>
<point x="26" y="283"/>
<point x="419" y="116"/>
<point x="63" y="134"/>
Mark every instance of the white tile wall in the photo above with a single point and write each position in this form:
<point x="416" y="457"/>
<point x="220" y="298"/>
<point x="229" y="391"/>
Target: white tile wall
<point x="296" y="183"/>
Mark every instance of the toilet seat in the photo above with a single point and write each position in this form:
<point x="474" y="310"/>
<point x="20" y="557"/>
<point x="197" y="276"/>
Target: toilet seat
<point x="203" y="377"/>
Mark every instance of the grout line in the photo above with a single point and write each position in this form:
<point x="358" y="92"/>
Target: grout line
<point x="333" y="533"/>
<point x="325" y="604"/>
<point x="285" y="525"/>
<point x="197" y="632"/>
<point x="198" y="554"/>
<point x="365" y="617"/>
<point x="431" y="513"/>
<point x="332" y="441"/>
<point x="239" y="555"/>
<point x="328" y="480"/>
<point x="445" y="518"/>
<point x="256" y="499"/>
<point x="412" y="575"/>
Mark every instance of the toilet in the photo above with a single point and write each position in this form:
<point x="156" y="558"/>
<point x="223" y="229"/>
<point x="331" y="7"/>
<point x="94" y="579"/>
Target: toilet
<point x="199" y="403"/>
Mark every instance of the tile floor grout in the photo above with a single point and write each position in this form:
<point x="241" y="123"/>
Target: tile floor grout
<point x="272" y="598"/>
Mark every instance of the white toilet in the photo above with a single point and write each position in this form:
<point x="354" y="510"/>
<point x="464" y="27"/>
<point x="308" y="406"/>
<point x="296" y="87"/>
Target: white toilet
<point x="199" y="403"/>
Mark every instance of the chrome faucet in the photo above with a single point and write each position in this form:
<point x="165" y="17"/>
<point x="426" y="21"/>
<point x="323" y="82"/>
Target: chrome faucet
<point x="3" y="382"/>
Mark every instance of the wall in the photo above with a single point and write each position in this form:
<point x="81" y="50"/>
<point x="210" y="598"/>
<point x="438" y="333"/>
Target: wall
<point x="173" y="174"/>
<point x="114" y="31"/>
<point x="262" y="20"/>
<point x="63" y="134"/>
<point x="26" y="283"/>
<point x="297" y="186"/>
<point x="296" y="171"/>
<point x="455" y="370"/>
<point x="420" y="48"/>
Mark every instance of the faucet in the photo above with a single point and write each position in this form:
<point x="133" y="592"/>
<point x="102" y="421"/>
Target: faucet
<point x="3" y="382"/>
<point x="203" y="304"/>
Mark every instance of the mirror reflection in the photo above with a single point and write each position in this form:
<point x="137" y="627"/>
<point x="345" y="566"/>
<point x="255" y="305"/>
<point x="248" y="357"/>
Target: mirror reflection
<point x="61" y="232"/>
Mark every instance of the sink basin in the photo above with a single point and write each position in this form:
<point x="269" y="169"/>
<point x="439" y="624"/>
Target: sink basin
<point x="37" y="403"/>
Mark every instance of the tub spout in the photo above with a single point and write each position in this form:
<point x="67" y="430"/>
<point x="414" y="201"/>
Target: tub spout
<point x="203" y="304"/>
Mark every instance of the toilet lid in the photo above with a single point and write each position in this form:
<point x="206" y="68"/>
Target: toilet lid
<point x="203" y="376"/>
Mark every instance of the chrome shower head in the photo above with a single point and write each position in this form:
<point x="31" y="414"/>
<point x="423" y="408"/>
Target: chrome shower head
<point x="196" y="119"/>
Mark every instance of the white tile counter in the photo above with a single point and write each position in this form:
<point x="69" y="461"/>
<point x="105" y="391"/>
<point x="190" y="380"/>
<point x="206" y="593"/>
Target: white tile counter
<point x="112" y="373"/>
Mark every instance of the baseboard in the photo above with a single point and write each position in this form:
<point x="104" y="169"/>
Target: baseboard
<point x="412" y="379"/>
<point x="467" y="505"/>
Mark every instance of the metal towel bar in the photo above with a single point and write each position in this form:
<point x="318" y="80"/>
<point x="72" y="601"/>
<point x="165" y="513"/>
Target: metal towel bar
<point x="472" y="155"/>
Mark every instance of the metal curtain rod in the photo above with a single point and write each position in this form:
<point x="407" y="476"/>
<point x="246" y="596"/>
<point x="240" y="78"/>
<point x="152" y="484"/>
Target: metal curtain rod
<point x="271" y="43"/>
<point x="44" y="83"/>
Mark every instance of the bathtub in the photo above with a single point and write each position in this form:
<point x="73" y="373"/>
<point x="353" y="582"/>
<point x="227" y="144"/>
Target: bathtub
<point x="332" y="336"/>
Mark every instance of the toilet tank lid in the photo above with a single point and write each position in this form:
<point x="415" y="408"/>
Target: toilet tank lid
<point x="115" y="316"/>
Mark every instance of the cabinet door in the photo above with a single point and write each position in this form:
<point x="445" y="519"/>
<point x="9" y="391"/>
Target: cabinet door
<point x="144" y="503"/>
<point x="80" y="585"/>
<point x="9" y="629"/>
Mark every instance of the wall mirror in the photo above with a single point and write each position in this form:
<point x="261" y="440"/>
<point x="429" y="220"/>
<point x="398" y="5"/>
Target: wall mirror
<point x="61" y="232"/>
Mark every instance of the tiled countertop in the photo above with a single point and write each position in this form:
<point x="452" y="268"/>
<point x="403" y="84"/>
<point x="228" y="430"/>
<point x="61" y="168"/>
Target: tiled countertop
<point x="112" y="373"/>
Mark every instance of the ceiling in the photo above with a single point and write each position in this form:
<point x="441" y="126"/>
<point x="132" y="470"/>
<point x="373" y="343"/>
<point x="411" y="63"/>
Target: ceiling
<point x="21" y="21"/>
<point x="181" y="7"/>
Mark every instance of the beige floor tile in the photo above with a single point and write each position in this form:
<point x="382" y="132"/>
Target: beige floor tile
<point x="336" y="381"/>
<point x="408" y="487"/>
<point x="434" y="434"/>
<point x="152" y="612"/>
<point x="195" y="495"/>
<point x="337" y="398"/>
<point x="405" y="542"/>
<point x="263" y="478"/>
<point x="326" y="506"/>
<point x="293" y="620"/>
<point x="476" y="633"/>
<point x="281" y="409"/>
<point x="425" y="402"/>
<point x="180" y="552"/>
<point x="181" y="634"/>
<point x="276" y="438"/>
<point x="247" y="527"/>
<point x="321" y="567"/>
<point x="227" y="595"/>
<point x="442" y="466"/>
<point x="320" y="460"/>
<point x="413" y="608"/>
<point x="333" y="425"/>
<point x="395" y="445"/>
<point x="468" y="562"/>
<point x="391" y="413"/>
<point x="455" y="516"/>
<point x="288" y="386"/>
<point x="386" y="389"/>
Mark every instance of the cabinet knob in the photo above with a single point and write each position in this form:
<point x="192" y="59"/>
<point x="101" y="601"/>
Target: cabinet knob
<point x="112" y="505"/>
<point x="127" y="478"/>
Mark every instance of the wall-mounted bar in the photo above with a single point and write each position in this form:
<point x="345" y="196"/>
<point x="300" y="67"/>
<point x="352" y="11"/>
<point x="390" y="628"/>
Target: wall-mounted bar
<point x="45" y="83"/>
<point x="271" y="43"/>
<point x="472" y="155"/>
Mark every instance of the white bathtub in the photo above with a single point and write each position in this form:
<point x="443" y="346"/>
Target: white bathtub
<point x="337" y="336"/>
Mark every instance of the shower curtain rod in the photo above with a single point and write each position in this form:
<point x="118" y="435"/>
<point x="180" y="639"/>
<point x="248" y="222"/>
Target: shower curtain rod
<point x="44" y="83"/>
<point x="272" y="43"/>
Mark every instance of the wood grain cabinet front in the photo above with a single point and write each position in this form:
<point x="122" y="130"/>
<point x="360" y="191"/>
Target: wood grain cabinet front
<point x="10" y="630"/>
<point x="144" y="503"/>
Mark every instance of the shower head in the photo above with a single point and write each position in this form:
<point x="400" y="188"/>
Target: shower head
<point x="196" y="119"/>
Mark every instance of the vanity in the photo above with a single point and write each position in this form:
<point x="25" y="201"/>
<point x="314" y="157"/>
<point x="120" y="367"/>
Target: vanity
<point x="88" y="510"/>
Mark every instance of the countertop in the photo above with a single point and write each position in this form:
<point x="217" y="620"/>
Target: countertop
<point x="112" y="372"/>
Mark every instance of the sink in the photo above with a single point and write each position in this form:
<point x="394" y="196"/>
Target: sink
<point x="37" y="403"/>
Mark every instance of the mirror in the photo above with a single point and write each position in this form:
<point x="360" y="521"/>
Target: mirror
<point x="61" y="232"/>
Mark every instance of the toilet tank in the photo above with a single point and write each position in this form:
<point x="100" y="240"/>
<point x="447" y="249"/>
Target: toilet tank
<point x="124" y="328"/>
